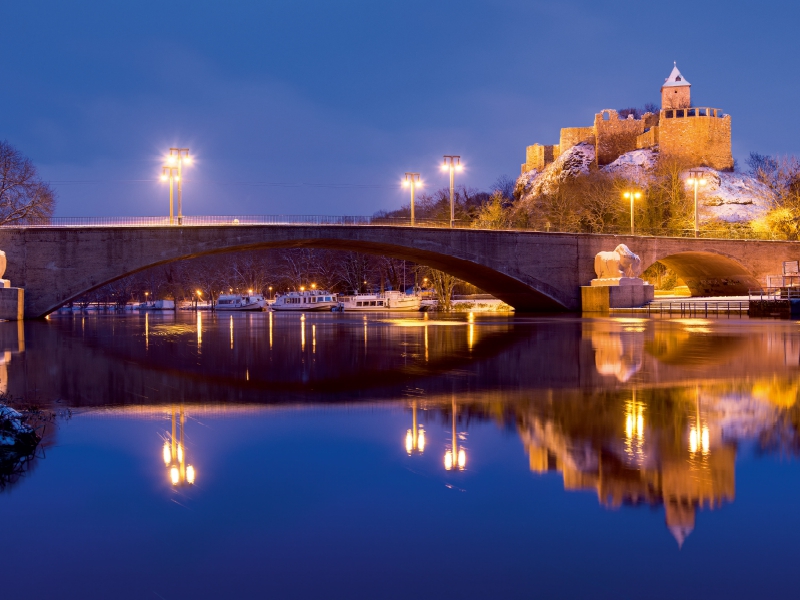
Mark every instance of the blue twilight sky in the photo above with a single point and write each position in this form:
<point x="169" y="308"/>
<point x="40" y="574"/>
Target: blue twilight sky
<point x="319" y="107"/>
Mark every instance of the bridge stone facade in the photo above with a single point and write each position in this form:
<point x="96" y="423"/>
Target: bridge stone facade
<point x="531" y="271"/>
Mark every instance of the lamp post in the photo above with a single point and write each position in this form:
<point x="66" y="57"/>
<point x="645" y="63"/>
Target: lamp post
<point x="179" y="157"/>
<point x="170" y="173"/>
<point x="453" y="163"/>
<point x="412" y="180"/>
<point x="632" y="195"/>
<point x="696" y="179"/>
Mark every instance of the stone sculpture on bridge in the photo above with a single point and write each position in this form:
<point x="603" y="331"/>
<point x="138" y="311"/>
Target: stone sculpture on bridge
<point x="618" y="284"/>
<point x="613" y="267"/>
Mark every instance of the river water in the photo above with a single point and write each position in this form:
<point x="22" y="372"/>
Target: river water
<point x="396" y="456"/>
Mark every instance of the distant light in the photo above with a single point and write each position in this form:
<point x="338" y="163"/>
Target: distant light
<point x="190" y="474"/>
<point x="405" y="183"/>
<point x="167" y="454"/>
<point x="171" y="159"/>
<point x="459" y="167"/>
<point x="163" y="178"/>
<point x="174" y="475"/>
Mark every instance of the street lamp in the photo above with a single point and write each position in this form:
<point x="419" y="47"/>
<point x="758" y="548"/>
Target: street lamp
<point x="170" y="173"/>
<point x="270" y="294"/>
<point x="453" y="163"/>
<point x="412" y="180"/>
<point x="179" y="157"/>
<point x="696" y="179"/>
<point x="632" y="195"/>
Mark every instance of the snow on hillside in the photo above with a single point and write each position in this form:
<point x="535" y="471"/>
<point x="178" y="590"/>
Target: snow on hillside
<point x="572" y="163"/>
<point x="728" y="197"/>
<point x="733" y="197"/>
<point x="634" y="166"/>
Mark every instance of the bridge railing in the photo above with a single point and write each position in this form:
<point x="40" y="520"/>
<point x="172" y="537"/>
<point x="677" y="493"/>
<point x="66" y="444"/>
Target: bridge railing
<point x="355" y="221"/>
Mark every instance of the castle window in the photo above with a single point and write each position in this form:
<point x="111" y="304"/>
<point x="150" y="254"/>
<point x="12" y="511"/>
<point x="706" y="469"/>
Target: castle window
<point x="690" y="112"/>
<point x="668" y="114"/>
<point x="679" y="113"/>
<point x="606" y="115"/>
<point x="678" y="78"/>
<point x="703" y="112"/>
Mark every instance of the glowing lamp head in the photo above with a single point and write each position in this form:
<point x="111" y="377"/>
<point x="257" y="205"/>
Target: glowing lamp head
<point x="171" y="159"/>
<point x="167" y="454"/>
<point x="250" y="292"/>
<point x="448" y="460"/>
<point x="409" y="442"/>
<point x="190" y="474"/>
<point x="462" y="459"/>
<point x="174" y="475"/>
<point x="199" y="293"/>
<point x="405" y="183"/>
<point x="421" y="440"/>
<point x="302" y="288"/>
<point x="459" y="167"/>
<point x="163" y="177"/>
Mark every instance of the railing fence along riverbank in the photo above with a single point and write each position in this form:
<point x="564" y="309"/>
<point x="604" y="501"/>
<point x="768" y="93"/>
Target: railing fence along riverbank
<point x="689" y="308"/>
<point x="358" y="221"/>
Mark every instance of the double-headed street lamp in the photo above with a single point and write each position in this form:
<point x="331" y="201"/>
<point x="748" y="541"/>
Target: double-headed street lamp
<point x="632" y="195"/>
<point x="179" y="157"/>
<point x="453" y="163"/>
<point x="696" y="179"/>
<point x="413" y="180"/>
<point x="170" y="173"/>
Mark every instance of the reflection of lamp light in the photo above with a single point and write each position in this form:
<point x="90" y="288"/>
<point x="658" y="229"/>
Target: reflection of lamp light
<point x="634" y="429"/>
<point x="415" y="437"/>
<point x="699" y="438"/>
<point x="455" y="458"/>
<point x="173" y="453"/>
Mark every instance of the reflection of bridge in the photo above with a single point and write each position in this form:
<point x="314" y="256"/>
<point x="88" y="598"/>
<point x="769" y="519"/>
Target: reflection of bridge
<point x="529" y="270"/>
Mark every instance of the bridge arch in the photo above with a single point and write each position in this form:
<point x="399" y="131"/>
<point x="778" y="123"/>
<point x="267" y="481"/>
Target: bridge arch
<point x="710" y="273"/>
<point x="62" y="277"/>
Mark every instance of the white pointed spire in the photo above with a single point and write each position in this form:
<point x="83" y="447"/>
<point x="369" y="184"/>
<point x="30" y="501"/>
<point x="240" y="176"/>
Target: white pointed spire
<point x="675" y="78"/>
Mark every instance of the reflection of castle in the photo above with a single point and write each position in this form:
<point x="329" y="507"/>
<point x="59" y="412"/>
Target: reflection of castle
<point x="698" y="135"/>
<point x="635" y="471"/>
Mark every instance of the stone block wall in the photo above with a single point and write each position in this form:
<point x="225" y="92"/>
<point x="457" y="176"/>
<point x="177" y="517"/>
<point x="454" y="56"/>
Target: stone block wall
<point x="648" y="139"/>
<point x="572" y="136"/>
<point x="539" y="156"/>
<point x="699" y="135"/>
<point x="615" y="136"/>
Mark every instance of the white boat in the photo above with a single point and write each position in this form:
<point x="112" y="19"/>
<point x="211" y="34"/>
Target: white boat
<point x="240" y="302"/>
<point x="157" y="305"/>
<point x="385" y="301"/>
<point x="305" y="301"/>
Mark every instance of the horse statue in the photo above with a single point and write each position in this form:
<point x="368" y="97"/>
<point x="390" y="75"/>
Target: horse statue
<point x="622" y="262"/>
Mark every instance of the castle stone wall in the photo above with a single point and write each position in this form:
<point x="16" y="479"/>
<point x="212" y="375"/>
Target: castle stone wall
<point x="538" y="156"/>
<point x="615" y="136"/>
<point x="648" y="139"/>
<point x="701" y="139"/>
<point x="572" y="136"/>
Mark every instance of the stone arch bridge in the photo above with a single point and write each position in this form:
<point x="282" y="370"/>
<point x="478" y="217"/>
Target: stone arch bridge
<point x="531" y="271"/>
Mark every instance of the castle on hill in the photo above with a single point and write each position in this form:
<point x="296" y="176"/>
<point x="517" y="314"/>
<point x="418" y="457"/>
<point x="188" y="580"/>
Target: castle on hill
<point x="699" y="135"/>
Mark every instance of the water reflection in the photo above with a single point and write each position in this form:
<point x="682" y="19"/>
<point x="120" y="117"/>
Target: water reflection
<point x="641" y="412"/>
<point x="174" y="451"/>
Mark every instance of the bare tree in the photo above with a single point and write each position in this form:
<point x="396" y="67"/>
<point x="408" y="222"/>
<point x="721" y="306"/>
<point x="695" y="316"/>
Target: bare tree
<point x="23" y="195"/>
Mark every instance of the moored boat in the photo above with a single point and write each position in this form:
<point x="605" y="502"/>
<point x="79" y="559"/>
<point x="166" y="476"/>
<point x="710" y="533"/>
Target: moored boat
<point x="240" y="302"/>
<point x="385" y="301"/>
<point x="305" y="301"/>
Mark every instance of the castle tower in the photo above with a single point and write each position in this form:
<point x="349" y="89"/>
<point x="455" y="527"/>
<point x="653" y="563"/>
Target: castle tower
<point x="675" y="93"/>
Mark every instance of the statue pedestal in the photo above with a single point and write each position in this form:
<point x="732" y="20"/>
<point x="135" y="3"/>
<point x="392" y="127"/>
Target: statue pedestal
<point x="625" y="292"/>
<point x="12" y="304"/>
<point x="619" y="282"/>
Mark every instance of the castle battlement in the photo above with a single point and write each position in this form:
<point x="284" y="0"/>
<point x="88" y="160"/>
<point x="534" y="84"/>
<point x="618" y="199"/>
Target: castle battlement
<point x="699" y="135"/>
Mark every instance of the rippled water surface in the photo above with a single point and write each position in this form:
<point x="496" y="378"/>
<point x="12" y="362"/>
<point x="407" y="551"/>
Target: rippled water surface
<point x="342" y="456"/>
